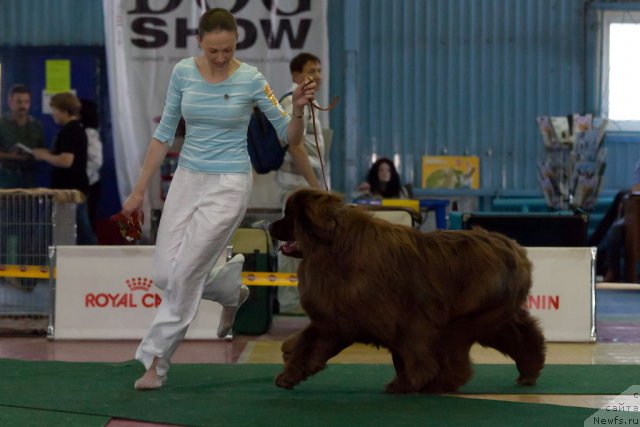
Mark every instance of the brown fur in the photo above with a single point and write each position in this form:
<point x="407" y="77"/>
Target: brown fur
<point x="427" y="297"/>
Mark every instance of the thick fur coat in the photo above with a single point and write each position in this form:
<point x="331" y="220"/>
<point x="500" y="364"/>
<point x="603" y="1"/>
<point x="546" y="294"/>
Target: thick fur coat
<point x="427" y="297"/>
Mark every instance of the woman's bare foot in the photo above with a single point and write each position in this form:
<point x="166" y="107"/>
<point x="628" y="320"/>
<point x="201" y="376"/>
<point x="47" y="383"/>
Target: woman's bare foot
<point x="150" y="380"/>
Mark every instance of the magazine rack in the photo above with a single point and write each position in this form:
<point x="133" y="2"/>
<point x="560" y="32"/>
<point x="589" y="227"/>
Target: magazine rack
<point x="571" y="174"/>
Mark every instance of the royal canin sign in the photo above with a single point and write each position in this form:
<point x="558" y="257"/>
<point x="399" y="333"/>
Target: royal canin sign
<point x="137" y="296"/>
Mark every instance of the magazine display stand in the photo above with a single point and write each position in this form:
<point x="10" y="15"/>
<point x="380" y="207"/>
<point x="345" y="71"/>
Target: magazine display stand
<point x="571" y="176"/>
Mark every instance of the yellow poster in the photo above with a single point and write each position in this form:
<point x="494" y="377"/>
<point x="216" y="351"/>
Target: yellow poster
<point x="451" y="172"/>
<point x="57" y="76"/>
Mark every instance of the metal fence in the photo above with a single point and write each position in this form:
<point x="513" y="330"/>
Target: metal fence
<point x="31" y="221"/>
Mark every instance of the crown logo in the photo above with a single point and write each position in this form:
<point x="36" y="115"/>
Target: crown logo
<point x="139" y="284"/>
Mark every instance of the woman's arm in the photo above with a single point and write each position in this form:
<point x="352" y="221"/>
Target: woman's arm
<point x="69" y="142"/>
<point x="152" y="161"/>
<point x="299" y="156"/>
<point x="302" y="164"/>
<point x="301" y="97"/>
<point x="295" y="132"/>
<point x="157" y="150"/>
<point x="62" y="160"/>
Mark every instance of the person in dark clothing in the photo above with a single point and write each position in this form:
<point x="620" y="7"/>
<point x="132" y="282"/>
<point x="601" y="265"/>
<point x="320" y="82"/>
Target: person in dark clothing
<point x="609" y="235"/>
<point x="68" y="156"/>
<point x="17" y="167"/>
<point x="383" y="181"/>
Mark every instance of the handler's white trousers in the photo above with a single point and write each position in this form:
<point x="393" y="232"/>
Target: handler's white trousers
<point x="200" y="215"/>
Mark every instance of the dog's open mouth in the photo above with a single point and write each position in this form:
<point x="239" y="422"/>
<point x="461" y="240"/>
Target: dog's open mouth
<point x="291" y="249"/>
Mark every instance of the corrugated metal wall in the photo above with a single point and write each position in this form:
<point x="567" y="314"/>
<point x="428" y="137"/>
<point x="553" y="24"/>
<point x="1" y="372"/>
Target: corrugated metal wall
<point x="51" y="23"/>
<point x="456" y="77"/>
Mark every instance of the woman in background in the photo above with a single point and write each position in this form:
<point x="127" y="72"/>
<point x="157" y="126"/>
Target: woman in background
<point x="383" y="181"/>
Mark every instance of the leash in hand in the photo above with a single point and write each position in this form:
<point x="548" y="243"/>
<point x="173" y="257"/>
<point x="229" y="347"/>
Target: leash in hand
<point x="313" y="106"/>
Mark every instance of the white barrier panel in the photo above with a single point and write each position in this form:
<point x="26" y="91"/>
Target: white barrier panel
<point x="563" y="293"/>
<point x="107" y="292"/>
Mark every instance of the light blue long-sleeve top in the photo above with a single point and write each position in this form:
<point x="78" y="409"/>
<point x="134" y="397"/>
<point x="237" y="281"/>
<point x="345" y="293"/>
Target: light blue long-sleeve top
<point x="217" y="116"/>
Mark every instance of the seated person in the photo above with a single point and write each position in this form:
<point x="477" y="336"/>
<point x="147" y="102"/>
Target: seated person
<point x="609" y="235"/>
<point x="383" y="181"/>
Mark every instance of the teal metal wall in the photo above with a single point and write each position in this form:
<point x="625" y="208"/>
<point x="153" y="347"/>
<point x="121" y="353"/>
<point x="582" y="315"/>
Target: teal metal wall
<point x="455" y="77"/>
<point x="51" y="23"/>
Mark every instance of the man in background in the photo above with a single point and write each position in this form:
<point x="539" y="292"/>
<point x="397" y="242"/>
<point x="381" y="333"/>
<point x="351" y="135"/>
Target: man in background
<point x="295" y="172"/>
<point x="17" y="166"/>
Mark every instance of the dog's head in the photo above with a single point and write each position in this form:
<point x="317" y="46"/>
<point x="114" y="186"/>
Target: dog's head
<point x="309" y="219"/>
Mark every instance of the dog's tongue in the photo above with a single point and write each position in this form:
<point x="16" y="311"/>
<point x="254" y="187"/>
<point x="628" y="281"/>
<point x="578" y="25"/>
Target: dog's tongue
<point x="289" y="247"/>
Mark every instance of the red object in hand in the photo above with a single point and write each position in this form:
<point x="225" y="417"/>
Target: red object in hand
<point x="130" y="227"/>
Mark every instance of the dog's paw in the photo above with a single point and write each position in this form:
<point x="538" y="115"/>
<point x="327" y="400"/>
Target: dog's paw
<point x="527" y="380"/>
<point x="285" y="381"/>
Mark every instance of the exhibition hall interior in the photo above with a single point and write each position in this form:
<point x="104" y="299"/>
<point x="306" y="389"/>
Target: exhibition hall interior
<point x="319" y="213"/>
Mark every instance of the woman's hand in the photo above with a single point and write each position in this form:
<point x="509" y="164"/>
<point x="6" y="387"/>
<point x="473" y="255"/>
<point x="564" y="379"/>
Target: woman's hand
<point x="303" y="94"/>
<point x="131" y="219"/>
<point x="133" y="204"/>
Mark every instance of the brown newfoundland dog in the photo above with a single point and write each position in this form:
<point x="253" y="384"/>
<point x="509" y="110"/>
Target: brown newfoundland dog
<point x="427" y="297"/>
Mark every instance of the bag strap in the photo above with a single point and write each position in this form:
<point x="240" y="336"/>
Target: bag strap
<point x="285" y="95"/>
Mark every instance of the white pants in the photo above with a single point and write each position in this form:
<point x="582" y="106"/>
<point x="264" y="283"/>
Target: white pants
<point x="200" y="215"/>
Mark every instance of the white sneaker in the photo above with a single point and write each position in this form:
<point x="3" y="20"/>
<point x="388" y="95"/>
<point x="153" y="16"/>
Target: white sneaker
<point x="228" y="316"/>
<point x="223" y="283"/>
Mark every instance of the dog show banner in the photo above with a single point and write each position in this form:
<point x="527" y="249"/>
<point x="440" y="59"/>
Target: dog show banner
<point x="107" y="292"/>
<point x="144" y="39"/>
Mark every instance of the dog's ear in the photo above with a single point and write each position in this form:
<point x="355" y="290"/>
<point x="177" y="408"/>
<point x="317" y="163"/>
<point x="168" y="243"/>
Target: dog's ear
<point x="319" y="214"/>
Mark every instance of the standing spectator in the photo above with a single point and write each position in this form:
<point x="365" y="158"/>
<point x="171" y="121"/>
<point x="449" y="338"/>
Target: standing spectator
<point x="68" y="157"/>
<point x="18" y="168"/>
<point x="89" y="119"/>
